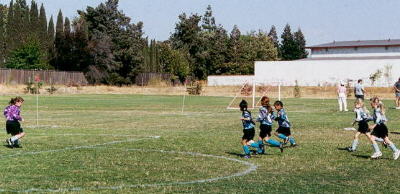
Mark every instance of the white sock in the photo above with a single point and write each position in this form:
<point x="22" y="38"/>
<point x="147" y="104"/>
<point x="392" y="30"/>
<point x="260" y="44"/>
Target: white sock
<point x="13" y="138"/>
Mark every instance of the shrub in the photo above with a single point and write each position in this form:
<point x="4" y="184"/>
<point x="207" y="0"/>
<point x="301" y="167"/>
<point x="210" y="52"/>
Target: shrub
<point x="33" y="87"/>
<point x="195" y="89"/>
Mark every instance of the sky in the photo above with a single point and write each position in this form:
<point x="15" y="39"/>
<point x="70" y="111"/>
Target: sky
<point x="321" y="21"/>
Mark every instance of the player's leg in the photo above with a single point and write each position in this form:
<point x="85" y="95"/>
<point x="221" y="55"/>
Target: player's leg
<point x="396" y="152"/>
<point x="377" y="152"/>
<point x="354" y="144"/>
<point x="340" y="103"/>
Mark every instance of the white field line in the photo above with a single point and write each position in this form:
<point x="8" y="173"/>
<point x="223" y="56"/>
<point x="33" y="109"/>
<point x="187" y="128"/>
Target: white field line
<point x="251" y="167"/>
<point x="77" y="147"/>
<point x="78" y="134"/>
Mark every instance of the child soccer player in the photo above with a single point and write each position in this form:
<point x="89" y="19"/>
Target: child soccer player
<point x="283" y="131"/>
<point x="380" y="130"/>
<point x="248" y="130"/>
<point x="265" y="118"/>
<point x="13" y="116"/>
<point x="362" y="119"/>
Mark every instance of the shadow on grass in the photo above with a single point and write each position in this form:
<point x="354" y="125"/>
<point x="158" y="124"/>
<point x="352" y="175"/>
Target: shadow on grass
<point x="396" y="133"/>
<point x="8" y="146"/>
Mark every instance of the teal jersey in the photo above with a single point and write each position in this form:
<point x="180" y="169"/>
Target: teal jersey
<point x="282" y="119"/>
<point x="248" y="122"/>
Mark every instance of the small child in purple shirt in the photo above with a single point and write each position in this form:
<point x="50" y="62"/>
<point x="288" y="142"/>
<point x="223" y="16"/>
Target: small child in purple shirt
<point x="13" y="116"/>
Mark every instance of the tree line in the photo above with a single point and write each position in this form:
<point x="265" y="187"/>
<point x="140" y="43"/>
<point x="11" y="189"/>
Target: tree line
<point x="110" y="49"/>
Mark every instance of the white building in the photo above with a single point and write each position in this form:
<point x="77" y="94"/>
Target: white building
<point x="336" y="61"/>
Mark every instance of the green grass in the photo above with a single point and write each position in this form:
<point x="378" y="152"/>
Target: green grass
<point x="102" y="144"/>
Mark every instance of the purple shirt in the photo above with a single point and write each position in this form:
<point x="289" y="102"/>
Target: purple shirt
<point x="12" y="113"/>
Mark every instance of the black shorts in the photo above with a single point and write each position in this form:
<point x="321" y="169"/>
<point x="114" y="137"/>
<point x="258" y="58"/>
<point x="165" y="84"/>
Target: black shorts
<point x="380" y="131"/>
<point x="13" y="128"/>
<point x="284" y="130"/>
<point x="360" y="96"/>
<point x="265" y="130"/>
<point x="248" y="134"/>
<point x="363" y="127"/>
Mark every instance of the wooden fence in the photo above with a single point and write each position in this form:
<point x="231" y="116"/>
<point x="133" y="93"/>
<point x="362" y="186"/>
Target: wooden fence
<point x="14" y="76"/>
<point x="143" y="79"/>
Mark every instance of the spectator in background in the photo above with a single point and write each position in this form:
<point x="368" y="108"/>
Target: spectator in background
<point x="359" y="90"/>
<point x="397" y="93"/>
<point x="342" y="96"/>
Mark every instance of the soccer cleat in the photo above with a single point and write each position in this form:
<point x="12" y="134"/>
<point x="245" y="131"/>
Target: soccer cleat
<point x="247" y="156"/>
<point x="294" y="145"/>
<point x="396" y="155"/>
<point x="350" y="149"/>
<point x="17" y="146"/>
<point x="262" y="148"/>
<point x="376" y="155"/>
<point x="286" y="140"/>
<point x="281" y="147"/>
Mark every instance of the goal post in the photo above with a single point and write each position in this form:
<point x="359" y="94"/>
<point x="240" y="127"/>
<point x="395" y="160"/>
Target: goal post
<point x="252" y="91"/>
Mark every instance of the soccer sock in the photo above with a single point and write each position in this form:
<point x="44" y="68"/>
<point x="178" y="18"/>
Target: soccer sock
<point x="274" y="142"/>
<point x="354" y="145"/>
<point x="393" y="147"/>
<point x="246" y="150"/>
<point x="376" y="147"/>
<point x="377" y="139"/>
<point x="280" y="135"/>
<point x="256" y="145"/>
<point x="292" y="141"/>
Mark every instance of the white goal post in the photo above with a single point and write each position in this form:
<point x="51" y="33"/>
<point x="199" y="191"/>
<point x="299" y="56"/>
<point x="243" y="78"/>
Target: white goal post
<point x="252" y="91"/>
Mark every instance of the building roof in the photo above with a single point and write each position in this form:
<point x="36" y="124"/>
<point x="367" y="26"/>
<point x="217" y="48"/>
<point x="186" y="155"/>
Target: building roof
<point x="357" y="43"/>
<point x="349" y="58"/>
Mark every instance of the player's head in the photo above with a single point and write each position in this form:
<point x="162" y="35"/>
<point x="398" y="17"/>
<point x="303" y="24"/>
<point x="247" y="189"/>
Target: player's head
<point x="243" y="105"/>
<point x="278" y="105"/>
<point x="359" y="81"/>
<point x="359" y="103"/>
<point x="376" y="102"/>
<point x="265" y="101"/>
<point x="16" y="101"/>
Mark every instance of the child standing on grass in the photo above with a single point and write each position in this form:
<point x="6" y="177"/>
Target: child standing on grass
<point x="248" y="130"/>
<point x="266" y="117"/>
<point x="362" y="119"/>
<point x="13" y="116"/>
<point x="283" y="131"/>
<point x="379" y="129"/>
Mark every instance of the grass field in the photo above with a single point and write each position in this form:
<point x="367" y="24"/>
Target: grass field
<point x="109" y="144"/>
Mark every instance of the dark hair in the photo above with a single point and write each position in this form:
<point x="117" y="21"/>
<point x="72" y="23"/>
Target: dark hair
<point x="15" y="100"/>
<point x="265" y="101"/>
<point x="243" y="105"/>
<point x="278" y="103"/>
<point x="360" y="80"/>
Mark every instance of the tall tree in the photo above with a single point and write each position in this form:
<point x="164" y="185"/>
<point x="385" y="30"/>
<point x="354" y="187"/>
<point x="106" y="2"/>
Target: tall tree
<point x="125" y="41"/>
<point x="3" y="11"/>
<point x="301" y="44"/>
<point x="274" y="36"/>
<point x="50" y="41"/>
<point x="59" y="41"/>
<point x="209" y="20"/>
<point x="288" y="46"/>
<point x="10" y="29"/>
<point x="187" y="37"/>
<point x="42" y="25"/>
<point x="34" y="19"/>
